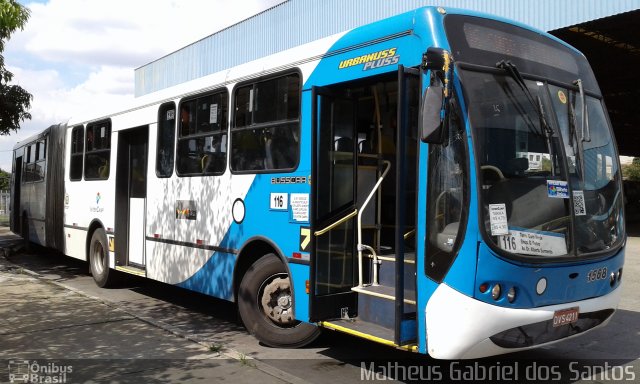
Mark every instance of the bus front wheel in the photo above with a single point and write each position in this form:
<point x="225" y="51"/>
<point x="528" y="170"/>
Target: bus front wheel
<point x="99" y="260"/>
<point x="265" y="303"/>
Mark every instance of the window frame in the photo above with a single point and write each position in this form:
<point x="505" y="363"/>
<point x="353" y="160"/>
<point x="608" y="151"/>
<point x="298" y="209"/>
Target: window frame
<point x="272" y="124"/>
<point x="197" y="135"/>
<point x="163" y="109"/>
<point x="77" y="153"/>
<point x="107" y="150"/>
<point x="33" y="158"/>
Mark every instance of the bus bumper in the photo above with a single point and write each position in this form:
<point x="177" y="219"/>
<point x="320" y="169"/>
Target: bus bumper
<point x="460" y="327"/>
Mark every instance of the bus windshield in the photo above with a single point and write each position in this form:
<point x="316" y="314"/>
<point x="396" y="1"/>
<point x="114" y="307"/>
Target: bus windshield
<point x="548" y="187"/>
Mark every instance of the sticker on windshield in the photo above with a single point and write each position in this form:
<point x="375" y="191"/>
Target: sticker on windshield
<point x="578" y="203"/>
<point x="558" y="189"/>
<point x="530" y="242"/>
<point x="562" y="97"/>
<point x="498" y="219"/>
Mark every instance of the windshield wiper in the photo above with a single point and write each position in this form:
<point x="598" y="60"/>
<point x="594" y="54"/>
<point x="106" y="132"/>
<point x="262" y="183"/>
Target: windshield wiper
<point x="575" y="141"/>
<point x="536" y="103"/>
<point x="586" y="134"/>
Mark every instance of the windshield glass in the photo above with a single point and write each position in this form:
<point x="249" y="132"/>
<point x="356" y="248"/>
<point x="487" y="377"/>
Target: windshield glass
<point x="544" y="191"/>
<point x="593" y="169"/>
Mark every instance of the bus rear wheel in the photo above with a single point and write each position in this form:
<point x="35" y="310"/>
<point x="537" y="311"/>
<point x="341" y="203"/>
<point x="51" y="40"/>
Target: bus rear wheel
<point x="99" y="260"/>
<point x="265" y="303"/>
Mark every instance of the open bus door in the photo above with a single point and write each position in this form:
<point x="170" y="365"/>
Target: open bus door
<point x="364" y="205"/>
<point x="131" y="197"/>
<point x="334" y="207"/>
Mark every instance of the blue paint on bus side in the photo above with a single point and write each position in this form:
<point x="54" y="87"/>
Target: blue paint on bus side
<point x="215" y="278"/>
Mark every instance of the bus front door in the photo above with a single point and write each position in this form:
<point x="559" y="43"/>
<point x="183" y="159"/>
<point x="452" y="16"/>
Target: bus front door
<point x="131" y="194"/>
<point x="334" y="207"/>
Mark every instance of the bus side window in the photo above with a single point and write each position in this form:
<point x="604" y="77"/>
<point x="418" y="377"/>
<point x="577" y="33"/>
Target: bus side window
<point x="265" y="135"/>
<point x="202" y="145"/>
<point x="166" y="139"/>
<point x="447" y="197"/>
<point x="98" y="153"/>
<point x="77" y="152"/>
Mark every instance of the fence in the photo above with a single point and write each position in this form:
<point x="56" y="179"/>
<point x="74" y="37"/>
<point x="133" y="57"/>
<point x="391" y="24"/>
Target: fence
<point x="4" y="203"/>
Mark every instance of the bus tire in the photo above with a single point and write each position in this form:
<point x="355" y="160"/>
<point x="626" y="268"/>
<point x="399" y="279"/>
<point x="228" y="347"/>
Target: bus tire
<point x="265" y="303"/>
<point x="99" y="260"/>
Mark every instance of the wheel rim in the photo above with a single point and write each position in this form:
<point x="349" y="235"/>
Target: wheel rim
<point x="97" y="257"/>
<point x="275" y="300"/>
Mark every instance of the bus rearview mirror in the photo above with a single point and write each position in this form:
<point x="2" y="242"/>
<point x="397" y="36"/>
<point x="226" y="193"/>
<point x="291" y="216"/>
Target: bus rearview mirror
<point x="435" y="59"/>
<point x="431" y="119"/>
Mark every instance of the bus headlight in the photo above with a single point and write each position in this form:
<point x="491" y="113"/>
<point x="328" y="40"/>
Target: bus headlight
<point x="612" y="279"/>
<point x="495" y="292"/>
<point x="511" y="295"/>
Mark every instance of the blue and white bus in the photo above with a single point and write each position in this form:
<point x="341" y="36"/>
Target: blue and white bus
<point x="374" y="182"/>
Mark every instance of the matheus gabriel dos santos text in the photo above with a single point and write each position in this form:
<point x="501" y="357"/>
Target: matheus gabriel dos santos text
<point x="497" y="372"/>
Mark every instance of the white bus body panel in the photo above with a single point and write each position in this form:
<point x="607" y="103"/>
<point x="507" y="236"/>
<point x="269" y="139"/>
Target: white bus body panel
<point x="452" y="334"/>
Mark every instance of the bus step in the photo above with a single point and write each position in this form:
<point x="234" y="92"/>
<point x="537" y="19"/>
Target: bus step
<point x="367" y="330"/>
<point x="381" y="310"/>
<point x="387" y="273"/>
<point x="385" y="292"/>
<point x="132" y="270"/>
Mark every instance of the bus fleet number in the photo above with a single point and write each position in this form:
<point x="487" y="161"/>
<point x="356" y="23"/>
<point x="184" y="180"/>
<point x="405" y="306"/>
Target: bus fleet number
<point x="509" y="243"/>
<point x="597" y="274"/>
<point x="279" y="201"/>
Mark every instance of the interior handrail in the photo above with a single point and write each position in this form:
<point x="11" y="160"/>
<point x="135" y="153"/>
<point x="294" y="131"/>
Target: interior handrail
<point x="362" y="247"/>
<point x="336" y="223"/>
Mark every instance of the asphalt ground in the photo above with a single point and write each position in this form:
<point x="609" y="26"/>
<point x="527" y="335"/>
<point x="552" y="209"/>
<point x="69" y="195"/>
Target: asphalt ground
<point x="53" y="317"/>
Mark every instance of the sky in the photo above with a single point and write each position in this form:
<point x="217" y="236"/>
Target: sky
<point x="77" y="57"/>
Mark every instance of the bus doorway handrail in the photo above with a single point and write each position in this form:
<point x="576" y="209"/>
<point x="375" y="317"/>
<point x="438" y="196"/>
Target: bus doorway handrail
<point x="362" y="247"/>
<point x="336" y="223"/>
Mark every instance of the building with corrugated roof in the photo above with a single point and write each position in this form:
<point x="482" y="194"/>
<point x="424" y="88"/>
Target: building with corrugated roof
<point x="607" y="32"/>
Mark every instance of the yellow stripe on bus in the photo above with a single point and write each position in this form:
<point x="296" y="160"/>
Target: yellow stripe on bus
<point x="336" y="327"/>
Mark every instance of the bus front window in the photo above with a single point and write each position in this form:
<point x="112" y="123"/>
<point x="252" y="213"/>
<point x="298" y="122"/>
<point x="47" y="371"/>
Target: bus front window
<point x="594" y="173"/>
<point x="545" y="191"/>
<point x="523" y="179"/>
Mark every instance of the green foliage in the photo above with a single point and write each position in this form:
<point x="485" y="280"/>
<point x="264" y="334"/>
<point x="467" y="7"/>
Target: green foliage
<point x="632" y="171"/>
<point x="14" y="100"/>
<point x="13" y="16"/>
<point x="5" y="180"/>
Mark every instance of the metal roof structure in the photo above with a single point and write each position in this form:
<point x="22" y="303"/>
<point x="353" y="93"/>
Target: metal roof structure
<point x="295" y="22"/>
<point x="612" y="46"/>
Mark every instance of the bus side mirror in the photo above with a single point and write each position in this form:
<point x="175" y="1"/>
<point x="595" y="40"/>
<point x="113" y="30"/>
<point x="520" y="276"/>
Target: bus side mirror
<point x="431" y="120"/>
<point x="435" y="59"/>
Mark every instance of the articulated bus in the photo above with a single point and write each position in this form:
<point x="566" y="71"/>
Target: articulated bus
<point x="376" y="182"/>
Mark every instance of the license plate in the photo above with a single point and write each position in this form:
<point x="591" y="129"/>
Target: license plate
<point x="565" y="316"/>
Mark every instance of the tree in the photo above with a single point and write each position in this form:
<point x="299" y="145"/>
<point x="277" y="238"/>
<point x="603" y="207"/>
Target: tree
<point x="14" y="100"/>
<point x="632" y="171"/>
<point x="5" y="180"/>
